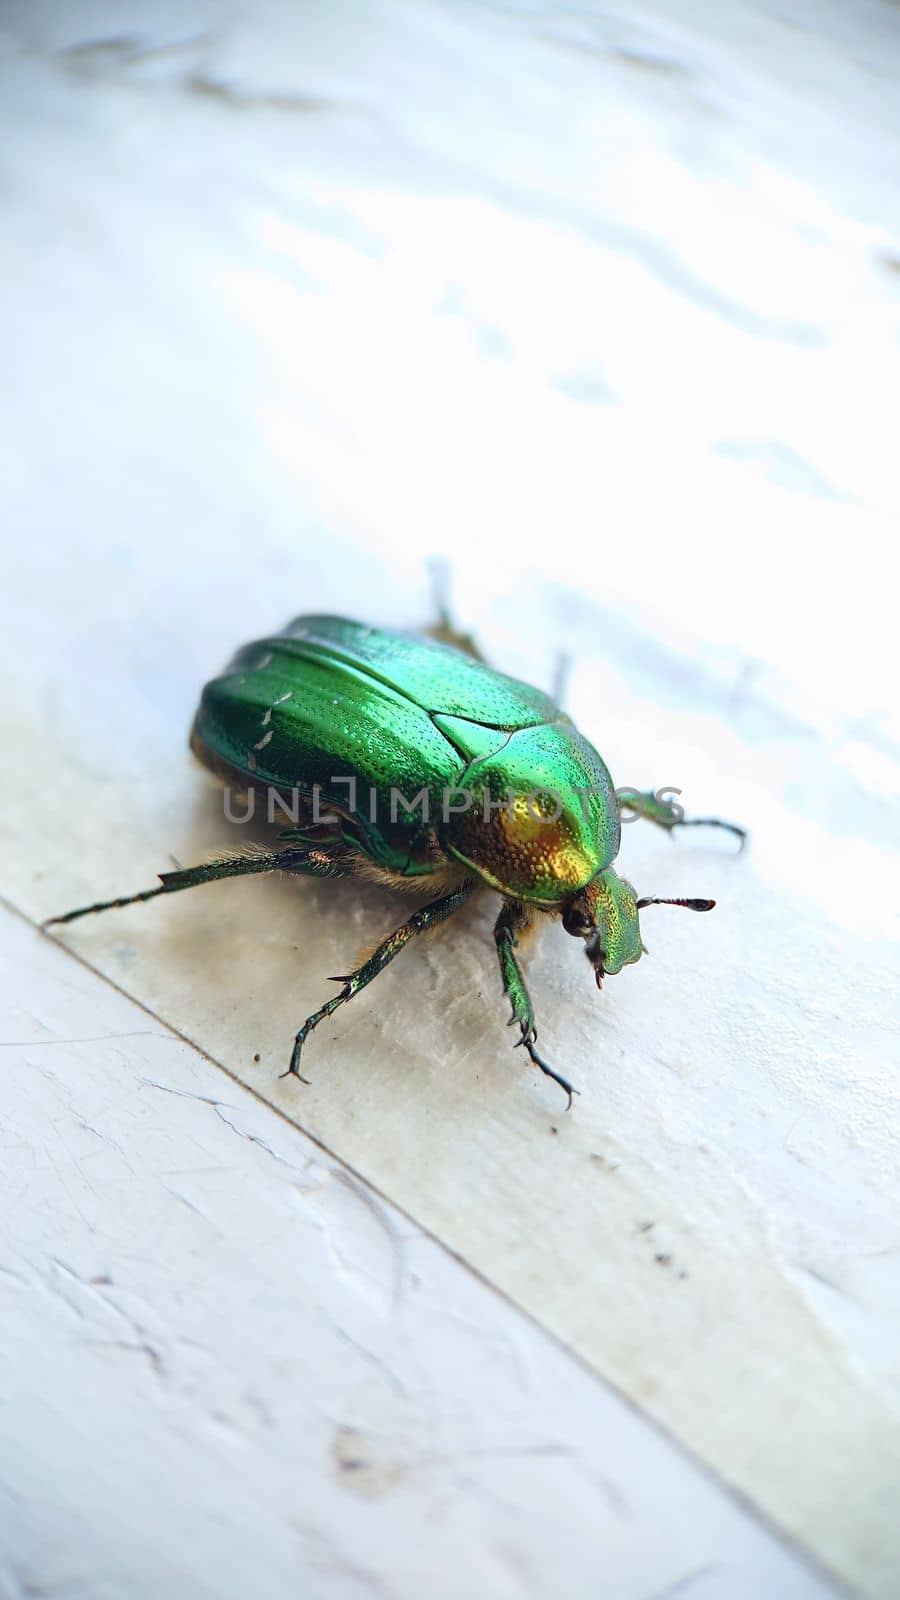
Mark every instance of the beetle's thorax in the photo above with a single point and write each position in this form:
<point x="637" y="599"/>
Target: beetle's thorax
<point x="541" y="819"/>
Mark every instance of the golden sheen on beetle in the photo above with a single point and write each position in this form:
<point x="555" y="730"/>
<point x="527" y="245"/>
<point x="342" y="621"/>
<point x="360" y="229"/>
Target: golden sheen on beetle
<point x="406" y="758"/>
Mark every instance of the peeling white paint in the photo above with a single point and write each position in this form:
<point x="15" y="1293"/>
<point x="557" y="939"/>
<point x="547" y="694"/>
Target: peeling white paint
<point x="230" y="1367"/>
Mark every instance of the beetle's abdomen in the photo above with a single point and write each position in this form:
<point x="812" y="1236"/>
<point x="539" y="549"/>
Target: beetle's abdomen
<point x="543" y="818"/>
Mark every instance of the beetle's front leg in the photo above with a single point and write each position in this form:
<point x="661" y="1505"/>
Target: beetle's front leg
<point x="426" y="917"/>
<point x="515" y="919"/>
<point x="668" y="814"/>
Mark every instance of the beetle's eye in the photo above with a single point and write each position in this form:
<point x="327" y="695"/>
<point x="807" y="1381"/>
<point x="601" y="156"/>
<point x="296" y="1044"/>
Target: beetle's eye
<point x="577" y="922"/>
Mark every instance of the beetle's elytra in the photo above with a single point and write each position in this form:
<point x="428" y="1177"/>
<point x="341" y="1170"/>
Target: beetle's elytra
<point x="417" y="764"/>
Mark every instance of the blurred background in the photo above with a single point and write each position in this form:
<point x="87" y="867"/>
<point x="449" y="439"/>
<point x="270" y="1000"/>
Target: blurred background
<point x="599" y="302"/>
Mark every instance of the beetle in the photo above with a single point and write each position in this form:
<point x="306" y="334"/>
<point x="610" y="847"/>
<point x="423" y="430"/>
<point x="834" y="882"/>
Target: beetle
<point x="436" y="774"/>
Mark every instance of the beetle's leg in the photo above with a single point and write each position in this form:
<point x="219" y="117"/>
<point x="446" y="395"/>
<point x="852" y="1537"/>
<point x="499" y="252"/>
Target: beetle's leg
<point x="562" y="671"/>
<point x="443" y="628"/>
<point x="445" y="633"/>
<point x="667" y="814"/>
<point x="319" y="862"/>
<point x="426" y="917"/>
<point x="513" y="920"/>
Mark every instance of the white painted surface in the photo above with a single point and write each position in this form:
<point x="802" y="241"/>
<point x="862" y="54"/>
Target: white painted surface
<point x="230" y="1368"/>
<point x="607" y="309"/>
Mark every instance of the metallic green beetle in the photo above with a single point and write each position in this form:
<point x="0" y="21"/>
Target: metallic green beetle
<point x="409" y="760"/>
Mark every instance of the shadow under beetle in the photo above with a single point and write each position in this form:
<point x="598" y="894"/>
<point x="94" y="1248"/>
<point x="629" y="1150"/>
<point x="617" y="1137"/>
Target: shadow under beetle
<point x="434" y="773"/>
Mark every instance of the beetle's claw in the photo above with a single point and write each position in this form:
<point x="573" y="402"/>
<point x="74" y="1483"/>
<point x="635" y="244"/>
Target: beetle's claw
<point x="293" y="1069"/>
<point x="527" y="1039"/>
<point x="714" y="822"/>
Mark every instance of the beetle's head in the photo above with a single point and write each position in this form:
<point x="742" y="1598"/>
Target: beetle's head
<point x="605" y="915"/>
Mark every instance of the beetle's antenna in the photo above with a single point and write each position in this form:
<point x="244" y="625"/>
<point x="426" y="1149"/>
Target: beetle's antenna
<point x="690" y="905"/>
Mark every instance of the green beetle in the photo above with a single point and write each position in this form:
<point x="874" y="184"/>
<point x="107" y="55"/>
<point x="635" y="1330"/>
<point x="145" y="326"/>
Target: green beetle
<point x="407" y="759"/>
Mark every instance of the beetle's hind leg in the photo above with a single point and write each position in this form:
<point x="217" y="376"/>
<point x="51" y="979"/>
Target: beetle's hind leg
<point x="319" y="862"/>
<point x="669" y="815"/>
<point x="513" y="920"/>
<point x="426" y="917"/>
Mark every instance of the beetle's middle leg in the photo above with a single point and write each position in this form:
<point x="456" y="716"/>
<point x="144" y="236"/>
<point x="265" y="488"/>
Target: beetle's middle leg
<point x="513" y="920"/>
<point x="667" y="814"/>
<point x="443" y="628"/>
<point x="426" y="917"/>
